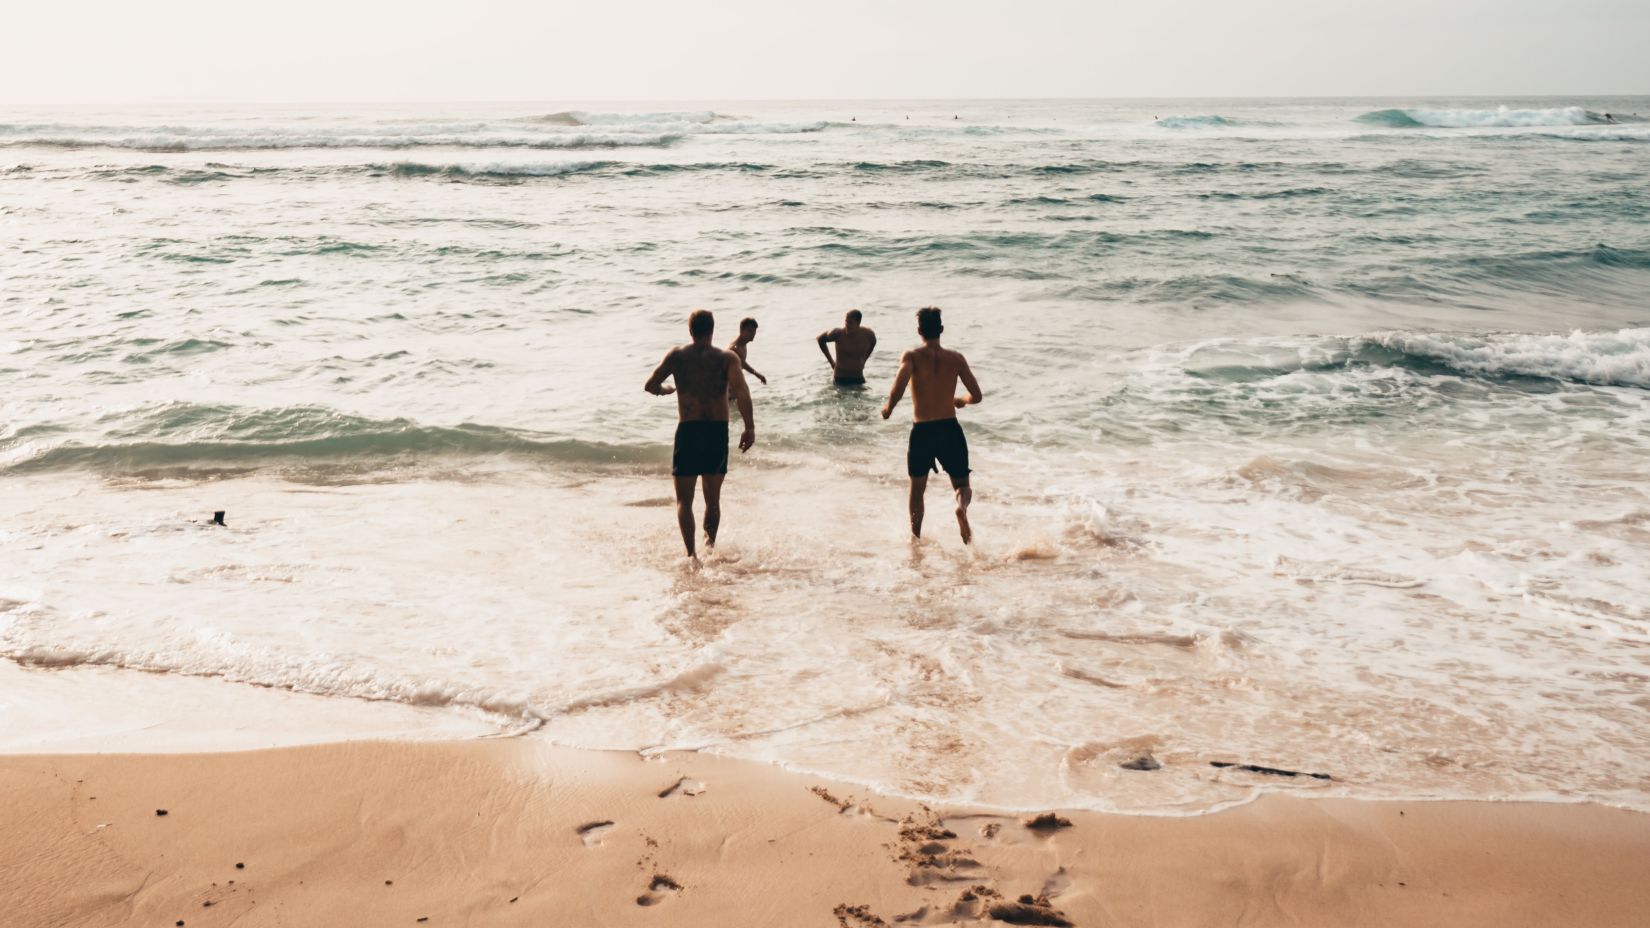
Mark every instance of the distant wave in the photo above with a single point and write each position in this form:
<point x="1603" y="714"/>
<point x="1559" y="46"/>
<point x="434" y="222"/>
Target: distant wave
<point x="186" y="434"/>
<point x="1500" y="117"/>
<point x="556" y="131"/>
<point x="490" y="171"/>
<point x="149" y="141"/>
<point x="582" y="118"/>
<point x="1196" y="122"/>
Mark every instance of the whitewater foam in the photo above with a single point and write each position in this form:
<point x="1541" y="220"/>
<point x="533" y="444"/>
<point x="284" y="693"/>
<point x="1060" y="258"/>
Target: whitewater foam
<point x="1500" y="117"/>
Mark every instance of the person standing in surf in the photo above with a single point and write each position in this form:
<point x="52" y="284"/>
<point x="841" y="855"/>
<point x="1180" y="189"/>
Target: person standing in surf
<point x="854" y="344"/>
<point x="741" y="347"/>
<point x="936" y="435"/>
<point x="705" y="377"/>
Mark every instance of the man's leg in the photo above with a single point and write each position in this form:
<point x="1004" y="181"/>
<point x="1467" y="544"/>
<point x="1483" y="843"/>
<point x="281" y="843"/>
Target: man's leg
<point x="713" y="507"/>
<point x="965" y="495"/>
<point x="918" y="485"/>
<point x="684" y="510"/>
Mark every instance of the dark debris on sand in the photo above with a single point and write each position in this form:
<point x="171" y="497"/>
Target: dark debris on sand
<point x="1029" y="911"/>
<point x="855" y="916"/>
<point x="1269" y="771"/>
<point x="1047" y="822"/>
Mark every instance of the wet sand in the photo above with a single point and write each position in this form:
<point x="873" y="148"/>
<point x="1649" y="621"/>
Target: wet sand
<point x="515" y="832"/>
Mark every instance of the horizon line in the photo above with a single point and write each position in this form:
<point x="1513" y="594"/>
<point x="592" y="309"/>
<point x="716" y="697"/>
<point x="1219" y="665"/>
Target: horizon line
<point x="892" y="99"/>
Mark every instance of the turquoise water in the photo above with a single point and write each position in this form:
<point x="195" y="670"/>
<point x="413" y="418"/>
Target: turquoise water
<point x="1315" y="429"/>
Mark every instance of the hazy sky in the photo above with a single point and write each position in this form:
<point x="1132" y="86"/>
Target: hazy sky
<point x="100" y="51"/>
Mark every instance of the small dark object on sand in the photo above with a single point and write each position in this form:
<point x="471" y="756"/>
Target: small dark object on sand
<point x="1270" y="771"/>
<point x="240" y="865"/>
<point x="160" y="811"/>
<point x="1048" y="821"/>
<point x="514" y="898"/>
<point x="1143" y="762"/>
<point x="207" y="904"/>
<point x="1021" y="913"/>
<point x="424" y="918"/>
<point x="217" y="517"/>
<point x="180" y="923"/>
<point x="389" y="882"/>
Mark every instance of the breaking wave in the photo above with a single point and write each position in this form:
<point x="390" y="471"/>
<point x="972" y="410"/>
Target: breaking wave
<point x="1618" y="358"/>
<point x="182" y="435"/>
<point x="1500" y="117"/>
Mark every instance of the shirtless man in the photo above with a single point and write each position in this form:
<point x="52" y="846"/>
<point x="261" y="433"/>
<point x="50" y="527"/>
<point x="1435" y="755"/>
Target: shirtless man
<point x="705" y="377"/>
<point x="933" y="373"/>
<point x="747" y="334"/>
<point x="854" y="343"/>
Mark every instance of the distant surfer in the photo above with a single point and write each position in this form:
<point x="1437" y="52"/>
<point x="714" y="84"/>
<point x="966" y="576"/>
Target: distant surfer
<point x="741" y="347"/>
<point x="854" y="344"/>
<point x="936" y="435"/>
<point x="705" y="376"/>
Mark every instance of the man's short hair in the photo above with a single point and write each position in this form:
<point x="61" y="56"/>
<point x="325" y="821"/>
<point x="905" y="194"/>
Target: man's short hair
<point x="747" y="323"/>
<point x="701" y="323"/>
<point x="855" y="315"/>
<point x="928" y="322"/>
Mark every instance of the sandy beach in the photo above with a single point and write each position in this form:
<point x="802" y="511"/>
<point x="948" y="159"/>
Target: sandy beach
<point x="516" y="832"/>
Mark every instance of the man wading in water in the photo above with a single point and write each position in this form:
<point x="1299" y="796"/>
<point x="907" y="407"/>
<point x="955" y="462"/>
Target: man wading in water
<point x="854" y="343"/>
<point x="705" y="377"/>
<point x="936" y="435"/>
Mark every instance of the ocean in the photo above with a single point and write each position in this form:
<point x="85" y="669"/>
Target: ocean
<point x="1316" y="434"/>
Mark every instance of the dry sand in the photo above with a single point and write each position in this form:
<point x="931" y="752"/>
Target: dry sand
<point x="514" y="832"/>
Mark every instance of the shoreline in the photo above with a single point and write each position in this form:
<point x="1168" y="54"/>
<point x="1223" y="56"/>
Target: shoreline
<point x="511" y="831"/>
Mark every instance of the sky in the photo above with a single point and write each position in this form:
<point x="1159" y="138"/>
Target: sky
<point x="303" y="51"/>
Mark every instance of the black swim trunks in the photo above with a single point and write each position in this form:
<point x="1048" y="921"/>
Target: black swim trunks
<point x="701" y="448"/>
<point x="849" y="380"/>
<point x="938" y="440"/>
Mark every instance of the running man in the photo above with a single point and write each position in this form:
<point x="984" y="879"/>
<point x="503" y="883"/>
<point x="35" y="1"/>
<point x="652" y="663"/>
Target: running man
<point x="936" y="435"/>
<point x="705" y="377"/>
<point x="740" y="347"/>
<point x="854" y="344"/>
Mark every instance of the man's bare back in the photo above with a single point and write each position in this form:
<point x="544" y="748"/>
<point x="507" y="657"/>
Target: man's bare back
<point x="934" y="372"/>
<point x="702" y="375"/>
<point x="854" y="344"/>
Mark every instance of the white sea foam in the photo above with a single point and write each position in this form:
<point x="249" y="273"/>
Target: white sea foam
<point x="1502" y="116"/>
<point x="1619" y="358"/>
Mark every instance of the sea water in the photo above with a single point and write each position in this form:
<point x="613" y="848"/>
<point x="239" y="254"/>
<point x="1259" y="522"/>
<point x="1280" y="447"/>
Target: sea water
<point x="1316" y="433"/>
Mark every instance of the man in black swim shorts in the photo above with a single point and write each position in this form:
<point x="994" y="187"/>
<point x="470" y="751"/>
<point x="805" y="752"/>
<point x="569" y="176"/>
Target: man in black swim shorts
<point x="854" y="344"/>
<point x="705" y="376"/>
<point x="936" y="436"/>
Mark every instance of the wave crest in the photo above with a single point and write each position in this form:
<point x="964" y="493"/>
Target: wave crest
<point x="1500" y="117"/>
<point x="188" y="435"/>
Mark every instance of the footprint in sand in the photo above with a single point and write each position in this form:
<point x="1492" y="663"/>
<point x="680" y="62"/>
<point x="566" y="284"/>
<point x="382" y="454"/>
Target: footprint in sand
<point x="682" y="787"/>
<point x="591" y="832"/>
<point x="661" y="888"/>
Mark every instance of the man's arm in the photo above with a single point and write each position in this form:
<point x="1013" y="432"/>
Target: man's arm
<point x="655" y="383"/>
<point x="900" y="380"/>
<point x="747" y="366"/>
<point x="966" y="375"/>
<point x="742" y="396"/>
<point x="873" y="343"/>
<point x="828" y="337"/>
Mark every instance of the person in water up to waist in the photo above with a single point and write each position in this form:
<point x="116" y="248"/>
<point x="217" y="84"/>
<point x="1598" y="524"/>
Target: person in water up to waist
<point x="741" y="347"/>
<point x="705" y="377"/>
<point x="936" y="435"/>
<point x="854" y="344"/>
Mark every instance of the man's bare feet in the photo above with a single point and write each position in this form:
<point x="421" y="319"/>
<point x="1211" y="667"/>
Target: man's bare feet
<point x="962" y="524"/>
